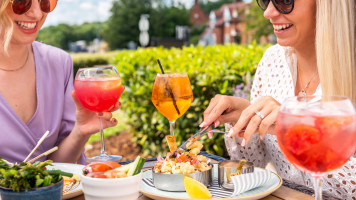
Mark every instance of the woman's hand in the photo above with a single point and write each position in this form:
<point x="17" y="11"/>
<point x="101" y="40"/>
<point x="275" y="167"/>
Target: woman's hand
<point x="87" y="121"/>
<point x="223" y="109"/>
<point x="258" y="117"/>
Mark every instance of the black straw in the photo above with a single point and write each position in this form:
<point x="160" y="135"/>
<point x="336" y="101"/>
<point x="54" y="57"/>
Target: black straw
<point x="159" y="63"/>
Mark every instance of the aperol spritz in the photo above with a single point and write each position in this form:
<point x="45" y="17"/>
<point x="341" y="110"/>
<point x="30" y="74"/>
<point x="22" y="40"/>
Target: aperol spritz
<point x="172" y="95"/>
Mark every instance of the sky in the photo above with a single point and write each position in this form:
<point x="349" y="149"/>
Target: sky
<point x="80" y="11"/>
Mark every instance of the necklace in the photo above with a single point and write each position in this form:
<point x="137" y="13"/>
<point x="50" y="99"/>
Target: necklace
<point x="22" y="66"/>
<point x="303" y="91"/>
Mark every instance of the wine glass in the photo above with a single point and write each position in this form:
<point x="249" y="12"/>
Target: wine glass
<point x="317" y="134"/>
<point x="98" y="89"/>
<point x="172" y="96"/>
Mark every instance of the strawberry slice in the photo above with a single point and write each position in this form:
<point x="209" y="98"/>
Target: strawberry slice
<point x="332" y="125"/>
<point x="301" y="137"/>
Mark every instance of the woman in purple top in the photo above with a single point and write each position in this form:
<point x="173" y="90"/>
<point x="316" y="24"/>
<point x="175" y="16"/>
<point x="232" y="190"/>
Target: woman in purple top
<point x="36" y="90"/>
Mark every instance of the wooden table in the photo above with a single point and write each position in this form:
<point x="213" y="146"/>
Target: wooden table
<point x="280" y="194"/>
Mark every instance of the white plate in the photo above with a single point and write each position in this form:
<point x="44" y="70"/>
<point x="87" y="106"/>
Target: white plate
<point x="76" y="190"/>
<point x="273" y="184"/>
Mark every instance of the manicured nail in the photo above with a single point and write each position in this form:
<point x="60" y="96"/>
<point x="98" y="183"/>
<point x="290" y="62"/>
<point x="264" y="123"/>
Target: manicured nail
<point x="217" y="123"/>
<point x="243" y="142"/>
<point x="119" y="104"/>
<point x="202" y="124"/>
<point x="100" y="114"/>
<point x="114" y="120"/>
<point x="231" y="131"/>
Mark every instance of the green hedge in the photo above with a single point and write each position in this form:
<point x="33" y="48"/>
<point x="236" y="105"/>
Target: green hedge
<point x="212" y="70"/>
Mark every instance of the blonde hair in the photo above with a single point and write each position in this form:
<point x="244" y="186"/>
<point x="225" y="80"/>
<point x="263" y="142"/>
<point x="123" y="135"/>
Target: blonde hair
<point x="6" y="26"/>
<point x="335" y="47"/>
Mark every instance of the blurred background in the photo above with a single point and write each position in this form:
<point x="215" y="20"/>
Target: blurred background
<point x="218" y="43"/>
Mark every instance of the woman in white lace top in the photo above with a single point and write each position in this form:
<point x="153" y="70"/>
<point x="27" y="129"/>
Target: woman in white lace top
<point x="315" y="54"/>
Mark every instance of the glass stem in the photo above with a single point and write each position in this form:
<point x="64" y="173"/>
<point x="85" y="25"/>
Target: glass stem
<point x="103" y="149"/>
<point x="318" y="189"/>
<point x="172" y="125"/>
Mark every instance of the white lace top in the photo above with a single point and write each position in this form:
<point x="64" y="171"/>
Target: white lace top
<point x="276" y="76"/>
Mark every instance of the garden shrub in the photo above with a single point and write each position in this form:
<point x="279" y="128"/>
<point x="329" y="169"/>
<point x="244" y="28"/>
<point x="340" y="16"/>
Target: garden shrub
<point x="212" y="70"/>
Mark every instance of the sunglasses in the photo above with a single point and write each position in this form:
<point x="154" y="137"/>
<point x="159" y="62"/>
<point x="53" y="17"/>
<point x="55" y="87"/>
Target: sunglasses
<point x="283" y="6"/>
<point x="22" y="6"/>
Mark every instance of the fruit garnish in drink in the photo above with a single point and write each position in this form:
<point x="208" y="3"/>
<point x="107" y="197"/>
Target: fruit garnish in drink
<point x="301" y="137"/>
<point x="332" y="125"/>
<point x="195" y="189"/>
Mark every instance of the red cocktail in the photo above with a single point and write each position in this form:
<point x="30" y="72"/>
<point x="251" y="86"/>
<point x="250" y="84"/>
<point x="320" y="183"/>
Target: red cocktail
<point x="98" y="89"/>
<point x="317" y="134"/>
<point x="98" y="95"/>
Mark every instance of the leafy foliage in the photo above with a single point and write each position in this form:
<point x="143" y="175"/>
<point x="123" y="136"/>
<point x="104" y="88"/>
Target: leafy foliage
<point x="257" y="23"/>
<point x="212" y="70"/>
<point x="61" y="35"/>
<point x="122" y="26"/>
<point x="213" y="5"/>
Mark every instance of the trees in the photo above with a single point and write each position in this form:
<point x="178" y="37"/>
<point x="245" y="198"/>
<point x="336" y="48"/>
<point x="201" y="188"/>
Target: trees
<point x="256" y="22"/>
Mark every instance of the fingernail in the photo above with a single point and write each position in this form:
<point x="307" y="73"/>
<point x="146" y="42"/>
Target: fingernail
<point x="119" y="104"/>
<point x="202" y="124"/>
<point x="100" y="114"/>
<point x="231" y="131"/>
<point x="261" y="137"/>
<point x="114" y="120"/>
<point x="243" y="142"/>
<point x="217" y="123"/>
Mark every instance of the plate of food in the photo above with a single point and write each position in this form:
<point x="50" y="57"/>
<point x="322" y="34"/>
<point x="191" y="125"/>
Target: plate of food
<point x="165" y="181"/>
<point x="72" y="185"/>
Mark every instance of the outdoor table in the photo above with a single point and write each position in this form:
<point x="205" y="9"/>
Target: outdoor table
<point x="281" y="193"/>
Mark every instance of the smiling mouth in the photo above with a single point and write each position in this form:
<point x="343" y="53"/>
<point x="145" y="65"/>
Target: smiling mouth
<point x="26" y="25"/>
<point x="282" y="27"/>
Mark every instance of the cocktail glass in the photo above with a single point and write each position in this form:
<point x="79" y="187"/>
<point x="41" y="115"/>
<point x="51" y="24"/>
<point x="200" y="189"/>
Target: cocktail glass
<point x="317" y="134"/>
<point x="98" y="89"/>
<point x="172" y="96"/>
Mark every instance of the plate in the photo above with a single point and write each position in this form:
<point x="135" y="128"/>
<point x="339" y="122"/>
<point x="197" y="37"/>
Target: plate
<point x="273" y="184"/>
<point x="76" y="189"/>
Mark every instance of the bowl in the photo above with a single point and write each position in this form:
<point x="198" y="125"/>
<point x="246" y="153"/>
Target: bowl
<point x="175" y="182"/>
<point x="52" y="192"/>
<point x="228" y="167"/>
<point x="111" y="189"/>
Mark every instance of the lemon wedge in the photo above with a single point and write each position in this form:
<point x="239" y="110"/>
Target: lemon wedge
<point x="195" y="189"/>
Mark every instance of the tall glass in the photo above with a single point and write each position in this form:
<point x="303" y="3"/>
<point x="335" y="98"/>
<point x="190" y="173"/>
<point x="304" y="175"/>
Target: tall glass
<point x="98" y="89"/>
<point x="172" y="96"/>
<point x="317" y="134"/>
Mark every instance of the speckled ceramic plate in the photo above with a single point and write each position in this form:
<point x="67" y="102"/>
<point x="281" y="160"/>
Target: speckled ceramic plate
<point x="75" y="189"/>
<point x="150" y="191"/>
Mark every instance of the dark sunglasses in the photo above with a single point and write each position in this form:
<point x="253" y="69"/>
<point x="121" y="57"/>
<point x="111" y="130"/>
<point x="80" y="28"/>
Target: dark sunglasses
<point x="283" y="6"/>
<point x="22" y="6"/>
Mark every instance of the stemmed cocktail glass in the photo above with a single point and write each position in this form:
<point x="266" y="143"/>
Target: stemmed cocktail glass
<point x="172" y="95"/>
<point x="98" y="89"/>
<point x="317" y="134"/>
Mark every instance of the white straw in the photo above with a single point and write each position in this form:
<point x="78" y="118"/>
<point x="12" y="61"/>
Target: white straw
<point x="37" y="145"/>
<point x="44" y="154"/>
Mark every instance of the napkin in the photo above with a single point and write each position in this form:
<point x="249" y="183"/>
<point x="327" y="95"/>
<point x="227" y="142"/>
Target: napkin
<point x="245" y="182"/>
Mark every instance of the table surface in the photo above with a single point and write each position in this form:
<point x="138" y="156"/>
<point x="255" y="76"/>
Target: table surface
<point x="280" y="194"/>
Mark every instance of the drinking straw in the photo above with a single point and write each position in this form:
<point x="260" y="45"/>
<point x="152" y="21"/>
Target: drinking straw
<point x="159" y="63"/>
<point x="169" y="89"/>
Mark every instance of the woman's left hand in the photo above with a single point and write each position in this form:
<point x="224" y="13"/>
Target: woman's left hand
<point x="87" y="121"/>
<point x="258" y="117"/>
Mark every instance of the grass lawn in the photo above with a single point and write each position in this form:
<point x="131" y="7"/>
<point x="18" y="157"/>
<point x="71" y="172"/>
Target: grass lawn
<point x="121" y="125"/>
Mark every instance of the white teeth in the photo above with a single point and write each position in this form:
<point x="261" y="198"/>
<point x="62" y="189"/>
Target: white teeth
<point x="281" y="27"/>
<point x="27" y="25"/>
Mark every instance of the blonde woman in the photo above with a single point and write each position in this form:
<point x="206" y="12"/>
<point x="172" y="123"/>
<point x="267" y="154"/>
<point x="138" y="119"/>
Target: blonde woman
<point x="36" y="84"/>
<point x="315" y="54"/>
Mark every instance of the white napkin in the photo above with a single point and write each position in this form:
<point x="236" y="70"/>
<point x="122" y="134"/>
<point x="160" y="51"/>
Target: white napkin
<point x="245" y="182"/>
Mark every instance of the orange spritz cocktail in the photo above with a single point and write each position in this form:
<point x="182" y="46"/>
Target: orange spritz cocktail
<point x="172" y="95"/>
